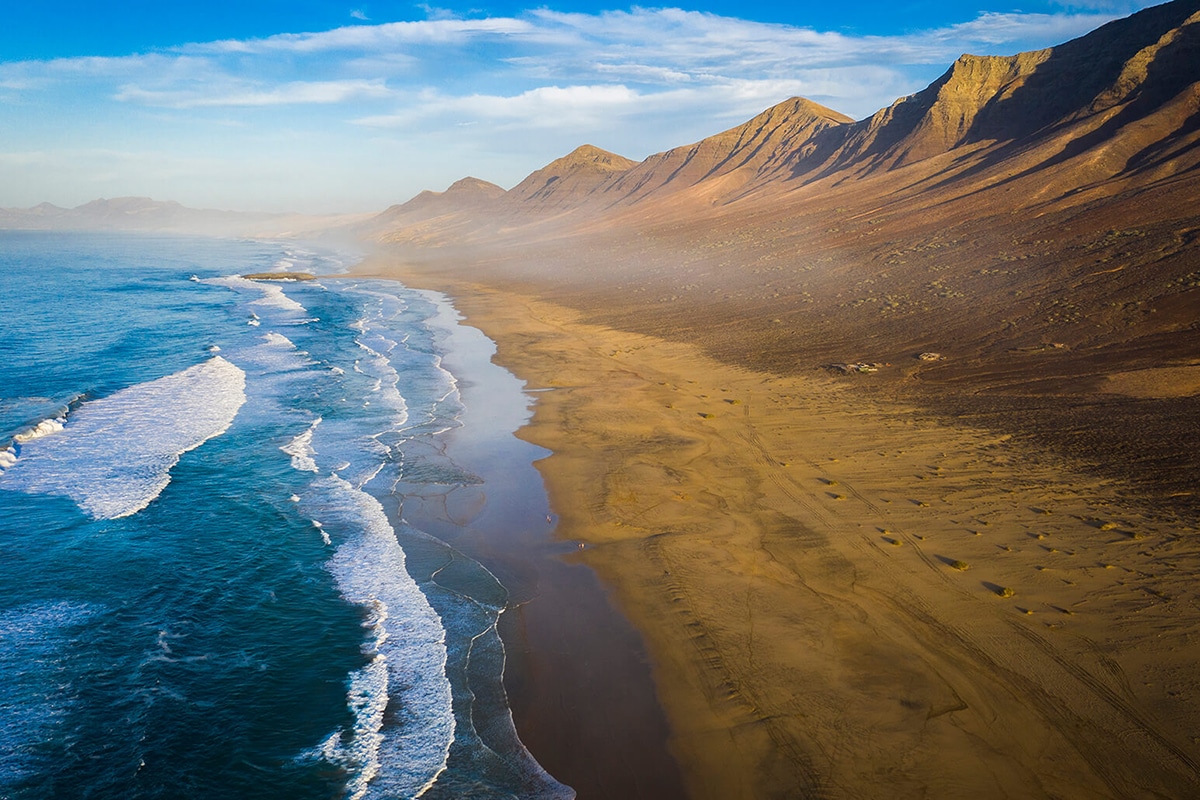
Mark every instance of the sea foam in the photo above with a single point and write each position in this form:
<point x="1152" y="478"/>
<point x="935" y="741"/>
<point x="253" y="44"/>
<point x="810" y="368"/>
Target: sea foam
<point x="404" y="755"/>
<point x="115" y="454"/>
<point x="272" y="294"/>
<point x="8" y="455"/>
<point x="377" y="365"/>
<point x="43" y="428"/>
<point x="301" y="449"/>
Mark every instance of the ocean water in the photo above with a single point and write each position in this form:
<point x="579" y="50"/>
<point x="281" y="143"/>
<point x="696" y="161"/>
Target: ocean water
<point x="207" y="588"/>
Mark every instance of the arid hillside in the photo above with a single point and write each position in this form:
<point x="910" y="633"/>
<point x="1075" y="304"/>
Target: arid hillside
<point x="1032" y="220"/>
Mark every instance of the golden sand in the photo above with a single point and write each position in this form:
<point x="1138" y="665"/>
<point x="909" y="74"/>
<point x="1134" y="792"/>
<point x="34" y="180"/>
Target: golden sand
<point x="843" y="598"/>
<point x="1160" y="382"/>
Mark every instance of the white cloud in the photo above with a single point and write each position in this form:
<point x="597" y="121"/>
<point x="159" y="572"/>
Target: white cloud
<point x="18" y="84"/>
<point x="294" y="93"/>
<point x="366" y="38"/>
<point x="998" y="29"/>
<point x="545" y="106"/>
<point x="644" y="73"/>
<point x="510" y="92"/>
<point x="603" y="106"/>
<point x="654" y="50"/>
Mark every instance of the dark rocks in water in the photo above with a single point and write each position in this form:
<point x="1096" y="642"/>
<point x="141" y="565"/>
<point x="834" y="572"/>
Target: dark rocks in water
<point x="279" y="276"/>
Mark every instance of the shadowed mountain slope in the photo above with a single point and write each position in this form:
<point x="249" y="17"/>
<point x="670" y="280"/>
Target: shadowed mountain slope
<point x="1119" y="104"/>
<point x="1131" y="85"/>
<point x="1033" y="218"/>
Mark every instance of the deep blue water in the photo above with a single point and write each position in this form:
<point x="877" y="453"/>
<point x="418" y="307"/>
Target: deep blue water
<point x="201" y="593"/>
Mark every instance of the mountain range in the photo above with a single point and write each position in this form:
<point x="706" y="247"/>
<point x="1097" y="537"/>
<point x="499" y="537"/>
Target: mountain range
<point x="1102" y="114"/>
<point x="163" y="216"/>
<point x="1033" y="219"/>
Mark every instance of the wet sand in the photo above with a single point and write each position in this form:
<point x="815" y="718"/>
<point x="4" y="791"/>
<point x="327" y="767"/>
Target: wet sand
<point x="576" y="672"/>
<point x="840" y="597"/>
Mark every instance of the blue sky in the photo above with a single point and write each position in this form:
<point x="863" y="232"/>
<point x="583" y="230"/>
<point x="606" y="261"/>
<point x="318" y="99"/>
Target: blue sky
<point x="341" y="107"/>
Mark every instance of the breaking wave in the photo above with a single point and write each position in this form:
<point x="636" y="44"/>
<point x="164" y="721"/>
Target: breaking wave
<point x="403" y="755"/>
<point x="301" y="449"/>
<point x="272" y="295"/>
<point x="115" y="454"/>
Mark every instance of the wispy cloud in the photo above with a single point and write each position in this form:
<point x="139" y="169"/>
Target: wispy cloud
<point x="655" y="50"/>
<point x="294" y="93"/>
<point x="992" y="29"/>
<point x="373" y="37"/>
<point x="511" y="92"/>
<point x="545" y="106"/>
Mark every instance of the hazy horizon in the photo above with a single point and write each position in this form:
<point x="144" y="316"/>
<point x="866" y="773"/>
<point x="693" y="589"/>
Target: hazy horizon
<point x="324" y="108"/>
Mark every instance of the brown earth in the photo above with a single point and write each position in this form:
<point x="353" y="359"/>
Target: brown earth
<point x="840" y="595"/>
<point x="1034" y="219"/>
<point x="817" y="556"/>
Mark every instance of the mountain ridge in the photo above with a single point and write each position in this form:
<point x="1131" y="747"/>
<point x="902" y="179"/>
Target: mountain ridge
<point x="567" y="180"/>
<point x="1031" y="111"/>
<point x="1039" y="203"/>
<point x="147" y="215"/>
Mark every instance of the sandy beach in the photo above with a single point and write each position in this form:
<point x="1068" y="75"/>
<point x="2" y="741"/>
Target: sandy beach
<point x="823" y="421"/>
<point x="561" y="630"/>
<point x="842" y="598"/>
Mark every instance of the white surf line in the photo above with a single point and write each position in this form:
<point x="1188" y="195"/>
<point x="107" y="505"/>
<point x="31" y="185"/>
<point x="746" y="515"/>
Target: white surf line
<point x="114" y="455"/>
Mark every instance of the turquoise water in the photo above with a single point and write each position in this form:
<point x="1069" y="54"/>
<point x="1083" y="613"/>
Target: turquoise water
<point x="205" y="586"/>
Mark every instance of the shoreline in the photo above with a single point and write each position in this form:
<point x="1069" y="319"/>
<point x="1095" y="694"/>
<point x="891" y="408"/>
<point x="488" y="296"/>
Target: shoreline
<point x="818" y="577"/>
<point x="559" y="627"/>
